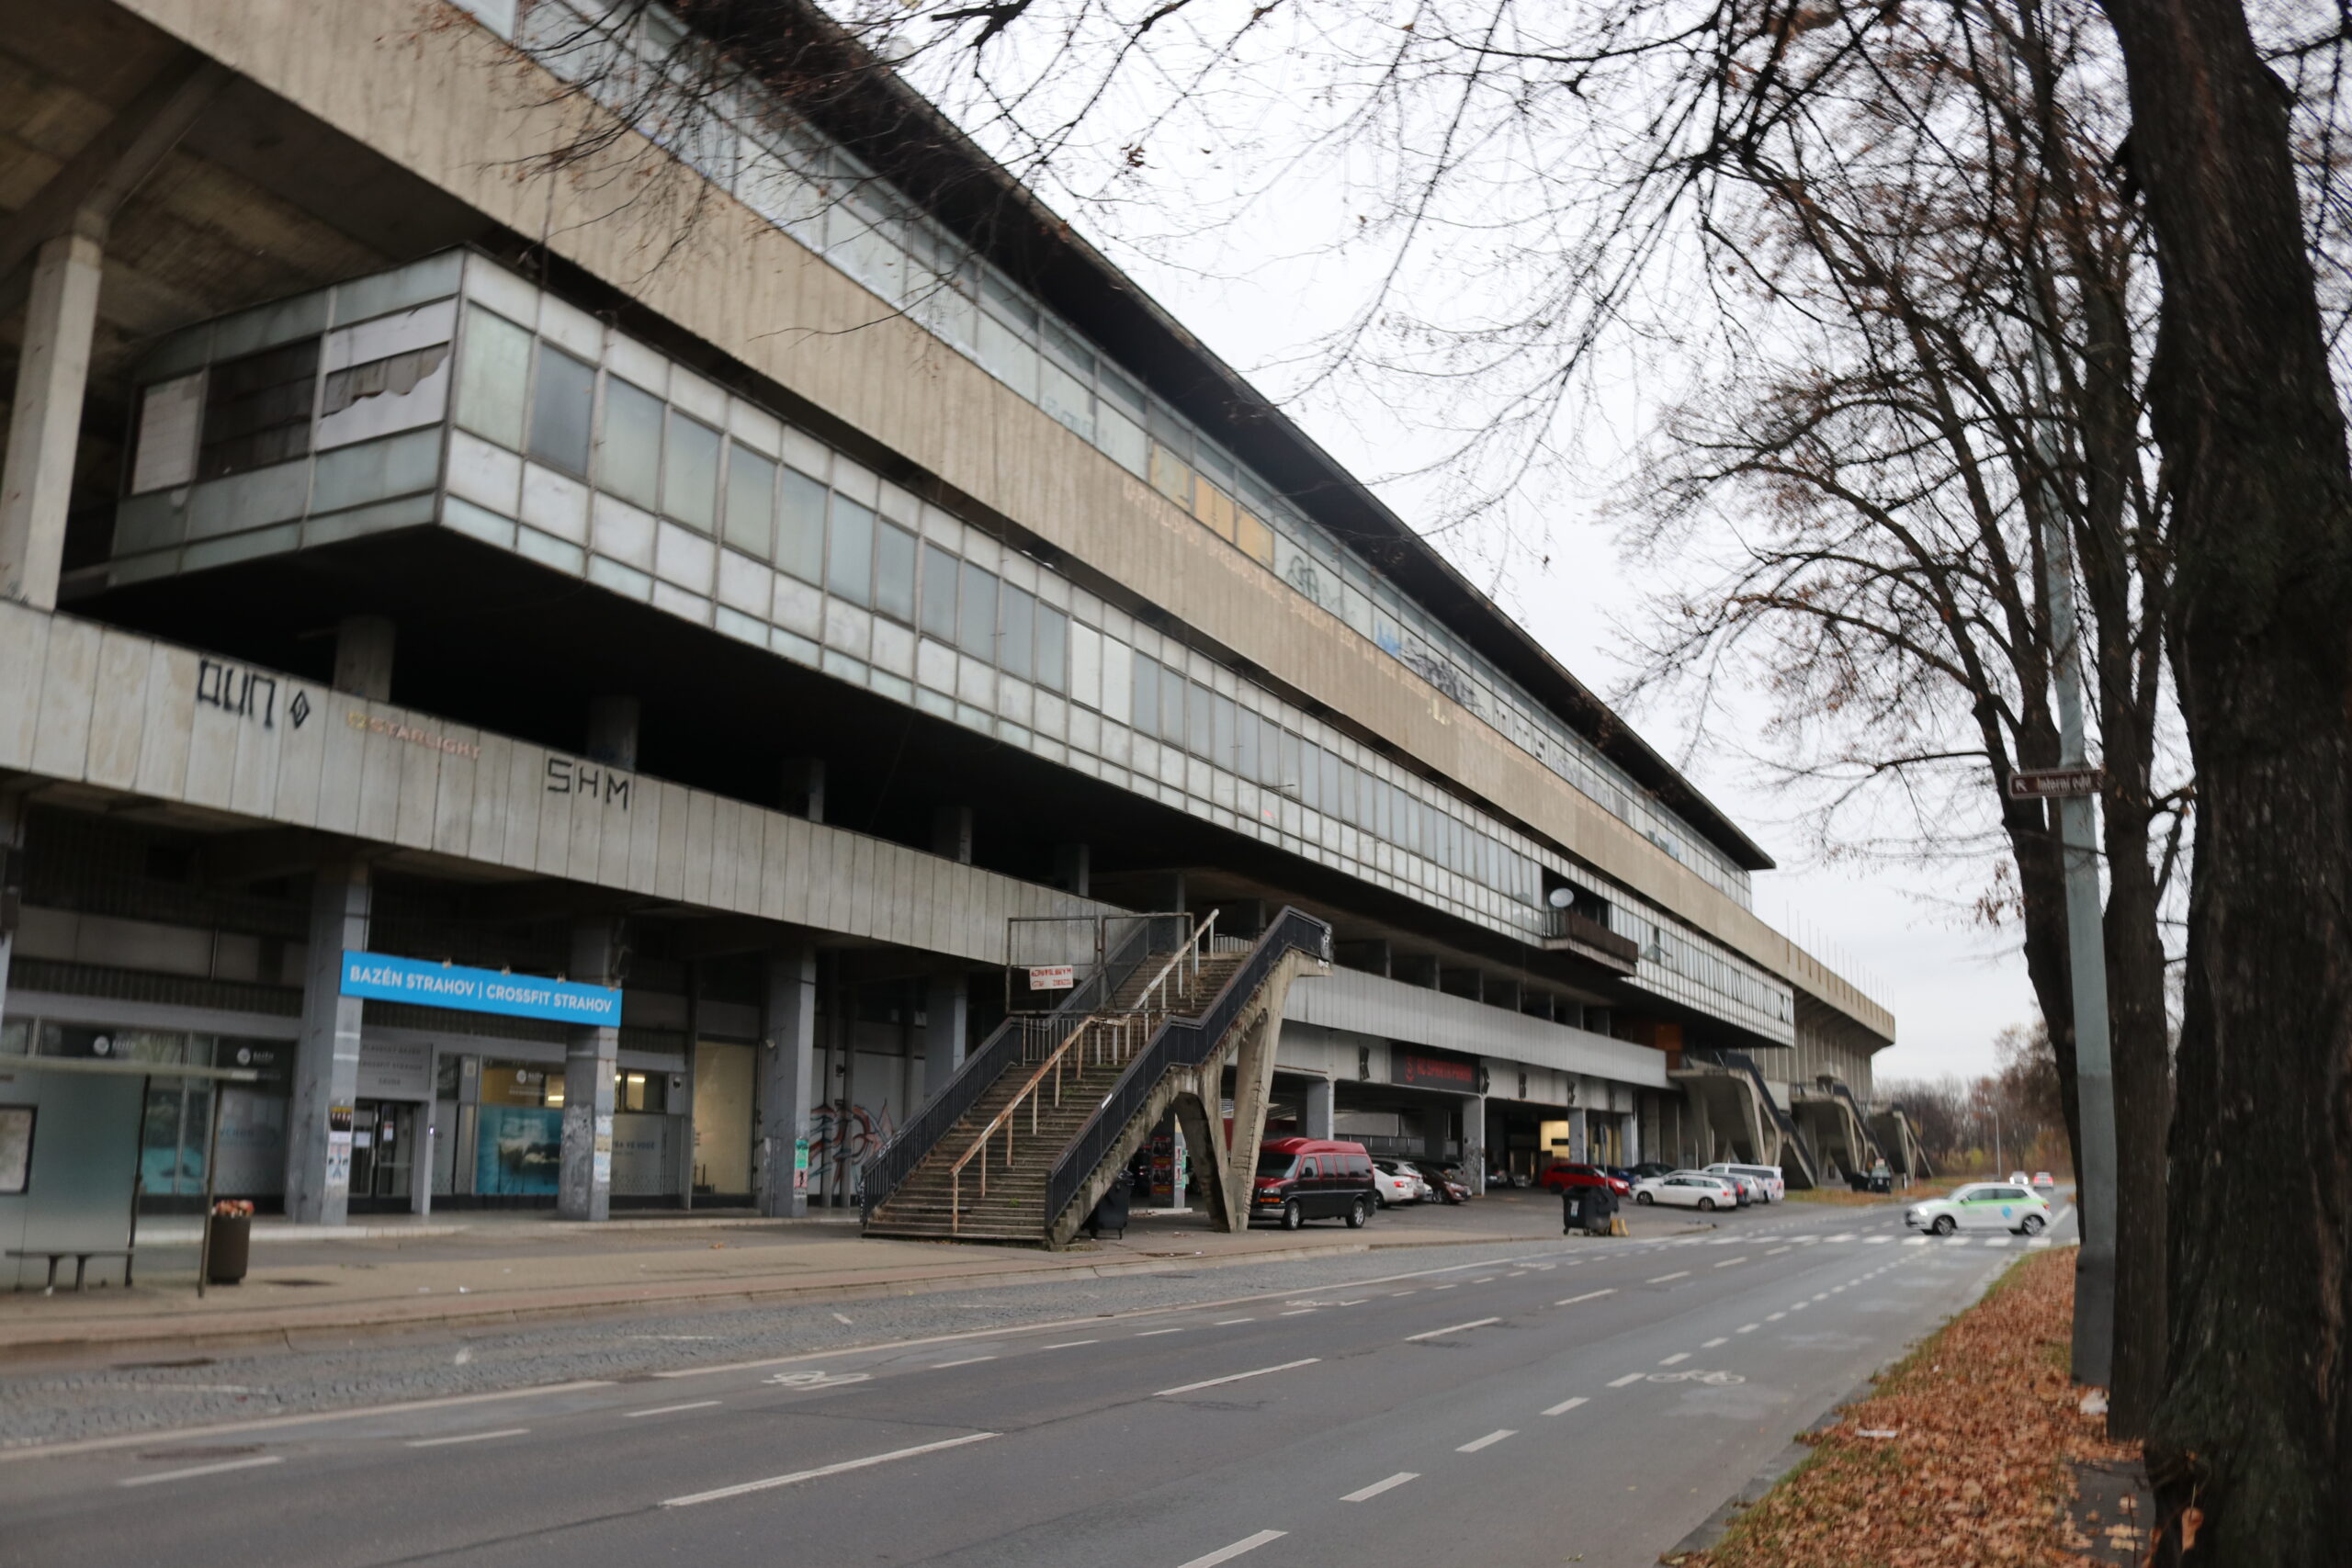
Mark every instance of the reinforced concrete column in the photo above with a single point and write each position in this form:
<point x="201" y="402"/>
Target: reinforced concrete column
<point x="45" y="422"/>
<point x="946" y="1017"/>
<point x="591" y="1056"/>
<point x="326" y="1055"/>
<point x="951" y="832"/>
<point x="1317" y="1118"/>
<point x="612" y="731"/>
<point x="788" y="1080"/>
<point x="12" y="888"/>
<point x="362" y="657"/>
<point x="1473" y="1142"/>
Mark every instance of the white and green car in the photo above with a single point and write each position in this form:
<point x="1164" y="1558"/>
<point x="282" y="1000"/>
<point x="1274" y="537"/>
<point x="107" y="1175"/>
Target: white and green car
<point x="1983" y="1206"/>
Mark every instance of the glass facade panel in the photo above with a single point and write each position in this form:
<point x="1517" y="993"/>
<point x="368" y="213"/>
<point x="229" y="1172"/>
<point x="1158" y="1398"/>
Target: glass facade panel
<point x="629" y="460"/>
<point x="1017" y="640"/>
<point x="849" y="561"/>
<point x="1053" y="648"/>
<point x="978" y="621"/>
<point x="800" y="526"/>
<point x="690" y="482"/>
<point x="562" y="395"/>
<point x="494" y="373"/>
<point x="257" y="410"/>
<point x="939" y="592"/>
<point x="894" y="571"/>
<point x="750" y="502"/>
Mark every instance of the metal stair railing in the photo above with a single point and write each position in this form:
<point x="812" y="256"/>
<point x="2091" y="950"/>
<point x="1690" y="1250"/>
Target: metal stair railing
<point x="1113" y="1036"/>
<point x="1014" y="1040"/>
<point x="1178" y="1041"/>
<point x="1838" y="1087"/>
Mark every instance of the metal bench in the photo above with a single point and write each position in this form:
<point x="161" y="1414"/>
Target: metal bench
<point x="81" y="1257"/>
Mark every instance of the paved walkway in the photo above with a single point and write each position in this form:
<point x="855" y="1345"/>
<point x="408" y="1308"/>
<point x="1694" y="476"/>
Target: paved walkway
<point x="307" y="1284"/>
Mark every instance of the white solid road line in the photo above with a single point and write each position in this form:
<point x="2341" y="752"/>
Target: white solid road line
<point x="199" y="1470"/>
<point x="1363" y="1493"/>
<point x="1564" y="1406"/>
<point x="1074" y="1344"/>
<point x="1588" y="1296"/>
<point x="1488" y="1442"/>
<point x="1628" y="1378"/>
<point x="1456" y="1328"/>
<point x="1234" y="1377"/>
<point x="467" y="1438"/>
<point x="1662" y="1278"/>
<point x="798" y="1475"/>
<point x="971" y="1361"/>
<point x="671" y="1409"/>
<point x="1228" y="1554"/>
<point x="1677" y="1356"/>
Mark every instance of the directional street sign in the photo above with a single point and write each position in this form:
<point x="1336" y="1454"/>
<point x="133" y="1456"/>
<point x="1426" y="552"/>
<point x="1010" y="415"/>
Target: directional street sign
<point x="2054" y="784"/>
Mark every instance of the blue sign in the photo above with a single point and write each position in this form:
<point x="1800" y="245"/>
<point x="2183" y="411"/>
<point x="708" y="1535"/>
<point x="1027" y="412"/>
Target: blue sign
<point x="477" y="990"/>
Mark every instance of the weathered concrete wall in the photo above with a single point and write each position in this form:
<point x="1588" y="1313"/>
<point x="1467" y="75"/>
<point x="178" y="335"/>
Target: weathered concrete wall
<point x="85" y="704"/>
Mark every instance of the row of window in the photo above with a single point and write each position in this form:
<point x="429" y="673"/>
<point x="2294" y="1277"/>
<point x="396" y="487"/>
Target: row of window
<point x="799" y="182"/>
<point x="1215" y="729"/>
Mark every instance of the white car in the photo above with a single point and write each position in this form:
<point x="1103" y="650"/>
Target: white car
<point x="1396" y="1182"/>
<point x="1769" y="1187"/>
<point x="2019" y="1178"/>
<point x="1687" y="1189"/>
<point x="1982" y="1206"/>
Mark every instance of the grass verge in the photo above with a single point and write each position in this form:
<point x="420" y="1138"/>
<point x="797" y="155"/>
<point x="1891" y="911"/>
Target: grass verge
<point x="1957" y="1460"/>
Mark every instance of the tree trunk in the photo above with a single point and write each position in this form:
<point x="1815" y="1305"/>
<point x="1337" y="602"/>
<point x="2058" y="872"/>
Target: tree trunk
<point x="2141" y="1057"/>
<point x="2256" y="1428"/>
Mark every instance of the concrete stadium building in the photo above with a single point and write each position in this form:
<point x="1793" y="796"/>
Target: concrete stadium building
<point x="585" y="638"/>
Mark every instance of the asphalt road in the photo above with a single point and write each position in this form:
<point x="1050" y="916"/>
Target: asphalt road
<point x="1590" y="1403"/>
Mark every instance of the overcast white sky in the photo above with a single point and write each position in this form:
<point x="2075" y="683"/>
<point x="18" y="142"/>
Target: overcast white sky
<point x="1215" y="181"/>
<point x="1898" y="930"/>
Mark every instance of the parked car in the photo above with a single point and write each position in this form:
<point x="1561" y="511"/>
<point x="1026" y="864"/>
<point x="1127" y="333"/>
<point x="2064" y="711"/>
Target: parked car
<point x="1300" y="1179"/>
<point x="1396" y="1182"/>
<point x="1766" y="1178"/>
<point x="1982" y="1206"/>
<point x="1649" y="1168"/>
<point x="2043" y="1182"/>
<point x="1687" y="1189"/>
<point x="1445" y="1181"/>
<point x="1565" y="1174"/>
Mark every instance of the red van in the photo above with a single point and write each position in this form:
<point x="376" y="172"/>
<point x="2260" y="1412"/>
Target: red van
<point x="1313" y="1178"/>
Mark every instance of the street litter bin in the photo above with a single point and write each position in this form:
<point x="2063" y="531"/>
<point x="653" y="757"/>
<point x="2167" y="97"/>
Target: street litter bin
<point x="1111" y="1215"/>
<point x="1600" y="1211"/>
<point x="1574" y="1200"/>
<point x="228" y="1252"/>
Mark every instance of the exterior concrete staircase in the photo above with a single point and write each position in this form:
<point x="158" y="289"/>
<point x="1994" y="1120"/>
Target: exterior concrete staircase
<point x="1029" y="1115"/>
<point x="1040" y="1122"/>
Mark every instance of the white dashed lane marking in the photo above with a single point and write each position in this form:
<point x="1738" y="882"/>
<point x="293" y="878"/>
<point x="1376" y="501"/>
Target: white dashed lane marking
<point x="1489" y="1440"/>
<point x="1455" y="1328"/>
<point x="1234" y="1377"/>
<point x="1363" y="1493"/>
<point x="1564" y="1406"/>
<point x="738" y="1490"/>
<point x="1588" y="1296"/>
<point x="1662" y="1278"/>
<point x="467" y="1438"/>
<point x="672" y="1409"/>
<point x="1628" y="1378"/>
<point x="1228" y="1554"/>
<point x="193" y="1471"/>
<point x="1677" y="1356"/>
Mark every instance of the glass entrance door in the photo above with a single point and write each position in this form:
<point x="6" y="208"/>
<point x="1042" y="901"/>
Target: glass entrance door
<point x="383" y="1145"/>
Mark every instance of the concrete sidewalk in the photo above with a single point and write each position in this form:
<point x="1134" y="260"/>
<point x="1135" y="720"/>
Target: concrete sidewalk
<point x="313" y="1285"/>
